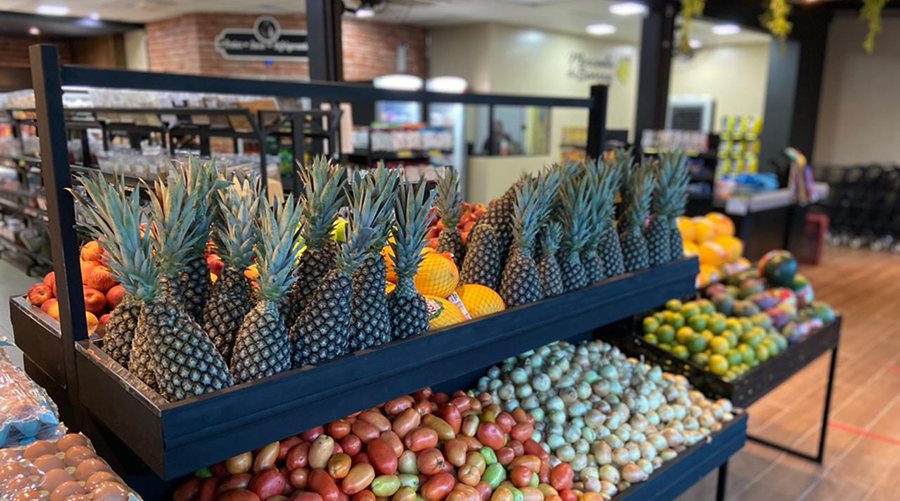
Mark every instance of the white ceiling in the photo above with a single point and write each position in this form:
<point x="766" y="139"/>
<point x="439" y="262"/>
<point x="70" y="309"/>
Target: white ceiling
<point x="568" y="16"/>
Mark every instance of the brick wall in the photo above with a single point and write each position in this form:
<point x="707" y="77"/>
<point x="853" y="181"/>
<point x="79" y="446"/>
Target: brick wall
<point x="14" y="50"/>
<point x="186" y="45"/>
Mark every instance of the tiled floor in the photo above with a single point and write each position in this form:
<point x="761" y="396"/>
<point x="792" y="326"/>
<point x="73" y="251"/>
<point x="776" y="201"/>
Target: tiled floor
<point x="13" y="281"/>
<point x="862" y="458"/>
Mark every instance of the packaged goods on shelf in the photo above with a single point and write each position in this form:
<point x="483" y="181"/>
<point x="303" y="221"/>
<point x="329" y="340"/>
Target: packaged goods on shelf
<point x="26" y="411"/>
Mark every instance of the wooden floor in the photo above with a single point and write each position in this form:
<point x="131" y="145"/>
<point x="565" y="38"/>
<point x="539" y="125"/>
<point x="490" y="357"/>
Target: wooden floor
<point x="862" y="459"/>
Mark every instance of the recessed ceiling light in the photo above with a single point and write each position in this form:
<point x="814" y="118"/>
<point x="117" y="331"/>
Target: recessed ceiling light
<point x="365" y="12"/>
<point x="628" y="8"/>
<point x="52" y="10"/>
<point x="34" y="30"/>
<point x="95" y="16"/>
<point x="726" y="29"/>
<point x="695" y="44"/>
<point x="398" y="82"/>
<point x="600" y="29"/>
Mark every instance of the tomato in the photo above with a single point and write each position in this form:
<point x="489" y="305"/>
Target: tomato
<point x="421" y="438"/>
<point x="472" y="443"/>
<point x="520" y="476"/>
<point x="423" y="394"/>
<point x="425" y="407"/>
<point x="365" y="431"/>
<point x="592" y="496"/>
<point x="407" y="421"/>
<point x="455" y="452"/>
<point x="471" y="492"/>
<point x="298" y="456"/>
<point x="339" y="429"/>
<point x="517" y="447"/>
<point x="533" y="463"/>
<point x="476" y="459"/>
<point x="207" y="490"/>
<point x="267" y="483"/>
<point x="469" y="474"/>
<point x="364" y="496"/>
<point x="299" y="478"/>
<point x="452" y="415"/>
<point x="312" y="434"/>
<point x="568" y="495"/>
<point x="385" y="485"/>
<point x="440" y="398"/>
<point x="339" y="465"/>
<point x="376" y="419"/>
<point x="520" y="415"/>
<point x="239" y="481"/>
<point x="534" y="448"/>
<point x="361" y="458"/>
<point x="506" y="455"/>
<point x="394" y="441"/>
<point x="469" y="425"/>
<point x="484" y="489"/>
<point x="306" y="496"/>
<point x="337" y="448"/>
<point x="554" y="497"/>
<point x="320" y="452"/>
<point x="490" y="435"/>
<point x="382" y="457"/>
<point x="219" y="470"/>
<point x="320" y="482"/>
<point x="285" y="446"/>
<point x="521" y="431"/>
<point x="561" y="477"/>
<point x="351" y="445"/>
<point x="359" y="477"/>
<point x="462" y="403"/>
<point x="438" y="487"/>
<point x="532" y="494"/>
<point x="266" y="457"/>
<point x="456" y="495"/>
<point x="505" y="421"/>
<point x="502" y="494"/>
<point x="404" y="494"/>
<point x="444" y="430"/>
<point x="474" y="404"/>
<point x="494" y="474"/>
<point x="398" y="405"/>
<point x="407" y="463"/>
<point x="430" y="461"/>
<point x="544" y="473"/>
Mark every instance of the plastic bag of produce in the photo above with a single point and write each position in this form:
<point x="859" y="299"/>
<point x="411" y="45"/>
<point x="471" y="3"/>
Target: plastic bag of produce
<point x="67" y="469"/>
<point x="26" y="411"/>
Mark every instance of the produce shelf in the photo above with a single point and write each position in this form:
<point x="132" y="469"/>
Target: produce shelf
<point x="37" y="335"/>
<point x="177" y="438"/>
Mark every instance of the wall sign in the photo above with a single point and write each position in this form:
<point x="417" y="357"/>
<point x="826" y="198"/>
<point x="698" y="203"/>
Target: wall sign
<point x="599" y="69"/>
<point x="265" y="42"/>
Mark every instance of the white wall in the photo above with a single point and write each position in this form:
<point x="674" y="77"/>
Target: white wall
<point x="859" y="113"/>
<point x="136" y="58"/>
<point x="736" y="75"/>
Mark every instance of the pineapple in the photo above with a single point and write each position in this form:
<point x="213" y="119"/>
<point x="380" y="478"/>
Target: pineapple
<point x="636" y="205"/>
<point x="605" y="181"/>
<point x="412" y="210"/>
<point x="575" y="218"/>
<point x="323" y="185"/>
<point x="499" y="216"/>
<point x="235" y="235"/>
<point x="448" y="205"/>
<point x="263" y="346"/>
<point x="669" y="199"/>
<point x="322" y="332"/>
<point x="184" y="359"/>
<point x="482" y="258"/>
<point x="610" y="248"/>
<point x="520" y="283"/>
<point x="548" y="267"/>
<point x="370" y="323"/>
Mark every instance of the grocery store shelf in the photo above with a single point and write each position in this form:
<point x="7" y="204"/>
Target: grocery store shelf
<point x="37" y="335"/>
<point x="32" y="213"/>
<point x="179" y="437"/>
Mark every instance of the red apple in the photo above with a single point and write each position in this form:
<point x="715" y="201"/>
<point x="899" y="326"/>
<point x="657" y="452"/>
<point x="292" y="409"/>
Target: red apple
<point x="104" y="319"/>
<point x="39" y="293"/>
<point x="114" y="296"/>
<point x="94" y="301"/>
<point x="50" y="280"/>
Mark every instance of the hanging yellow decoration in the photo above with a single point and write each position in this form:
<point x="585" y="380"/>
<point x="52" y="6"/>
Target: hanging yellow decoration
<point x="690" y="10"/>
<point x="871" y="12"/>
<point x="775" y="20"/>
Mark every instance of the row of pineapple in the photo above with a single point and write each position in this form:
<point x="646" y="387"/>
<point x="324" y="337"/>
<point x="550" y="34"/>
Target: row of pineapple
<point x="557" y="231"/>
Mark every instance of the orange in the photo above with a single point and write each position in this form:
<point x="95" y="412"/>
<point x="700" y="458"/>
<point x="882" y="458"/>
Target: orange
<point x="442" y="312"/>
<point x="389" y="286"/>
<point x="708" y="274"/>
<point x="733" y="247"/>
<point x="388" y="253"/>
<point x="251" y="272"/>
<point x="437" y="276"/>
<point x="690" y="249"/>
<point x="480" y="300"/>
<point x="724" y="225"/>
<point x="712" y="253"/>
<point x="686" y="227"/>
<point x="704" y="230"/>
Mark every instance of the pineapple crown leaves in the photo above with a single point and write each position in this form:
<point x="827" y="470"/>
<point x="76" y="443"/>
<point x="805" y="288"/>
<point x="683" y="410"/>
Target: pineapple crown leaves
<point x="205" y="180"/>
<point x="604" y="181"/>
<point x="236" y="230"/>
<point x="413" y="212"/>
<point x="368" y="209"/>
<point x="115" y="219"/>
<point x="382" y="183"/>
<point x="548" y="183"/>
<point x="449" y="198"/>
<point x="175" y="230"/>
<point x="670" y="196"/>
<point x="275" y="250"/>
<point x="526" y="214"/>
<point x="637" y="197"/>
<point x="323" y="196"/>
<point x="576" y="213"/>
<point x="550" y="238"/>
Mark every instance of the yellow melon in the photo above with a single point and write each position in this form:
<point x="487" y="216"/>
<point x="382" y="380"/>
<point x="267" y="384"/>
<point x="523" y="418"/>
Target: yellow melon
<point x="704" y="230"/>
<point x="708" y="274"/>
<point x="251" y="272"/>
<point x="733" y="246"/>
<point x="480" y="300"/>
<point x="437" y="276"/>
<point x="442" y="312"/>
<point x="389" y="286"/>
<point x="686" y="227"/>
<point x="724" y="225"/>
<point x="690" y="249"/>
<point x="712" y="253"/>
<point x="388" y="253"/>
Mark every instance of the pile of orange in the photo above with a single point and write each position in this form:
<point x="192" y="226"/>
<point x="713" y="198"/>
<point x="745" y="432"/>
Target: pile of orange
<point x="711" y="238"/>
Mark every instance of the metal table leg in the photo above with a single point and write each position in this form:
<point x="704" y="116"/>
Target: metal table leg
<point x="722" y="482"/>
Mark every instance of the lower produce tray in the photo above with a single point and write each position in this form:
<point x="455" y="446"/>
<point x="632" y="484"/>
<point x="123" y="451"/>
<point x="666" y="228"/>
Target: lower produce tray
<point x="757" y="382"/>
<point x="37" y="335"/>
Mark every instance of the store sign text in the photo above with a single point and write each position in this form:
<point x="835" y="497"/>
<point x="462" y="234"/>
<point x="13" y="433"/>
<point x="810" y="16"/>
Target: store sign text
<point x="602" y="70"/>
<point x="265" y="42"/>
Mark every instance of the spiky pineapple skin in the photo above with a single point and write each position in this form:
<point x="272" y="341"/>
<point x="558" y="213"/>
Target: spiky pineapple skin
<point x="370" y="322"/>
<point x="611" y="254"/>
<point x="225" y="310"/>
<point x="550" y="275"/>
<point x="521" y="283"/>
<point x="194" y="285"/>
<point x="483" y="264"/>
<point x="450" y="241"/>
<point x="315" y="263"/>
<point x="409" y="311"/>
<point x="593" y="266"/>
<point x="263" y="346"/>
<point x="499" y="216"/>
<point x="140" y="362"/>
<point x="120" y="330"/>
<point x="658" y="241"/>
<point x="634" y="250"/>
<point x="573" y="274"/>
<point x="322" y="332"/>
<point x="676" y="251"/>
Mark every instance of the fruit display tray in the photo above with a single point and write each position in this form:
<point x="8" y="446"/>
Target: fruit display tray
<point x="756" y="383"/>
<point x="37" y="335"/>
<point x="175" y="438"/>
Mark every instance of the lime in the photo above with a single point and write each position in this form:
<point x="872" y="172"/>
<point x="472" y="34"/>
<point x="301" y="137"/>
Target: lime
<point x="718" y="365"/>
<point x="665" y="346"/>
<point x="701" y="359"/>
<point x="731" y="337"/>
<point x="696" y="344"/>
<point x="762" y="354"/>
<point x="719" y="345"/>
<point x="676" y="320"/>
<point x="707" y="334"/>
<point x="761" y="320"/>
<point x="697" y="322"/>
<point x="716" y="324"/>
<point x="746" y="325"/>
<point x="781" y="341"/>
<point x="770" y="346"/>
<point x="734" y="357"/>
<point x="684" y="335"/>
<point x="660" y="317"/>
<point x="681" y="352"/>
<point x="748" y="353"/>
<point x="690" y="309"/>
<point x="734" y="325"/>
<point x="754" y="363"/>
<point x="706" y="306"/>
<point x="673" y="305"/>
<point x="651" y="338"/>
<point x="650" y="325"/>
<point x="665" y="334"/>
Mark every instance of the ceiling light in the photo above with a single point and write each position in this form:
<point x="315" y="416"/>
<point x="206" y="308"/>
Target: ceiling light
<point x="726" y="29"/>
<point x="600" y="29"/>
<point x="52" y="10"/>
<point x="95" y="16"/>
<point x="365" y="12"/>
<point x="398" y="82"/>
<point x="695" y="44"/>
<point x="628" y="8"/>
<point x="450" y="85"/>
<point x="34" y="30"/>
